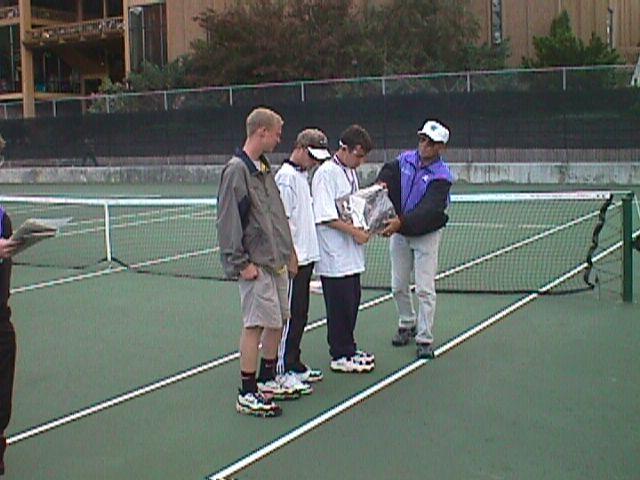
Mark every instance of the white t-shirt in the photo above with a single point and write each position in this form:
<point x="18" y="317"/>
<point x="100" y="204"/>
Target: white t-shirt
<point x="296" y="197"/>
<point x="340" y="255"/>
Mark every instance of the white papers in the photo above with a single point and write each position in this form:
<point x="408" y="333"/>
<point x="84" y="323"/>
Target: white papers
<point x="34" y="230"/>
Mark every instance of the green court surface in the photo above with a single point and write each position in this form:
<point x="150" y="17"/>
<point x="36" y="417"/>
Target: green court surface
<point x="133" y="376"/>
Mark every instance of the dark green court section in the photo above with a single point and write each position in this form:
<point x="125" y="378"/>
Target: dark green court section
<point x="183" y="431"/>
<point x="86" y="341"/>
<point x="551" y="392"/>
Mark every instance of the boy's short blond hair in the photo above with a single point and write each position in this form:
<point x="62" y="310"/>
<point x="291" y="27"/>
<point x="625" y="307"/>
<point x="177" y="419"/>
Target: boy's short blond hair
<point x="262" y="117"/>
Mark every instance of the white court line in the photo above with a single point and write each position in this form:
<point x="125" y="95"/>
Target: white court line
<point x="280" y="442"/>
<point x="116" y="226"/>
<point x="45" y="427"/>
<point x="110" y="270"/>
<point x="315" y="422"/>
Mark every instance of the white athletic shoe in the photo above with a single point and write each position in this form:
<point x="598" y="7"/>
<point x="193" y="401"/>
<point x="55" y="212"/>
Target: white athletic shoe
<point x="290" y="380"/>
<point x="351" y="365"/>
<point x="309" y="375"/>
<point x="256" y="404"/>
<point x="275" y="389"/>
<point x="365" y="357"/>
<point x="315" y="287"/>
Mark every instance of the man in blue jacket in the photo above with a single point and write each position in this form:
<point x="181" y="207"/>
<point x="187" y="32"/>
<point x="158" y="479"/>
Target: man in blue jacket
<point x="7" y="333"/>
<point x="418" y="183"/>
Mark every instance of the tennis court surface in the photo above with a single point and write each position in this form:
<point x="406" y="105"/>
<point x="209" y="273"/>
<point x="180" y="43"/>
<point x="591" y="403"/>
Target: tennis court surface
<point x="128" y="368"/>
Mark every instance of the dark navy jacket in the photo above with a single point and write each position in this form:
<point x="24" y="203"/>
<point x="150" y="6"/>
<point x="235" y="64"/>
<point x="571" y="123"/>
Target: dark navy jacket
<point x="427" y="212"/>
<point x="5" y="266"/>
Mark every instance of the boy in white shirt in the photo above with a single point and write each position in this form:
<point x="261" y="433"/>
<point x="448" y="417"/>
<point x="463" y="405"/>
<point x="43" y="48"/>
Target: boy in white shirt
<point x="310" y="148"/>
<point x="342" y="256"/>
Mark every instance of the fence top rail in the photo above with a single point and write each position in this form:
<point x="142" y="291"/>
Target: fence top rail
<point x="355" y="80"/>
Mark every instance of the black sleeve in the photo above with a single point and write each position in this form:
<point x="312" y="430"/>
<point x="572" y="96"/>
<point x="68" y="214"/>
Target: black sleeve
<point x="390" y="175"/>
<point x="429" y="215"/>
<point x="5" y="272"/>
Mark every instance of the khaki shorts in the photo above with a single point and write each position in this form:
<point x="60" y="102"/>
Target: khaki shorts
<point x="264" y="301"/>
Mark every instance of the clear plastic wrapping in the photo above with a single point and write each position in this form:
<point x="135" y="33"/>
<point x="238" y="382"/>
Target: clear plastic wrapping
<point x="368" y="208"/>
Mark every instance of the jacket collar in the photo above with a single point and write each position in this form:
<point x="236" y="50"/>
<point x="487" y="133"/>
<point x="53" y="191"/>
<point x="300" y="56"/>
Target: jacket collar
<point x="240" y="153"/>
<point x="414" y="160"/>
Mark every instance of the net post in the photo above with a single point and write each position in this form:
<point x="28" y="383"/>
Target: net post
<point x="627" y="248"/>
<point x="107" y="232"/>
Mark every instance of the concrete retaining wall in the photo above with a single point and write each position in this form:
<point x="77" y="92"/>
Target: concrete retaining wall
<point x="481" y="173"/>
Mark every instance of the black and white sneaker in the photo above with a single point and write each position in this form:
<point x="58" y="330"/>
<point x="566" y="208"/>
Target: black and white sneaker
<point x="280" y="388"/>
<point x="291" y="380"/>
<point x="365" y="357"/>
<point x="256" y="404"/>
<point x="305" y="373"/>
<point x="351" y="365"/>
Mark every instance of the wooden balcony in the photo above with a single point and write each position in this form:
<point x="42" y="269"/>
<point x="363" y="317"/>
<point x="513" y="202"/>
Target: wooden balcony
<point x="112" y="27"/>
<point x="39" y="16"/>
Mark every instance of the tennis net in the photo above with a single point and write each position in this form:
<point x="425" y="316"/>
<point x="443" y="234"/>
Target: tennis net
<point x="494" y="243"/>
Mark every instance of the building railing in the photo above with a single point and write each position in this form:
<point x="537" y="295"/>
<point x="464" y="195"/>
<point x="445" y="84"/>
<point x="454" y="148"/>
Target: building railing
<point x="513" y="80"/>
<point x="42" y="13"/>
<point x="8" y="13"/>
<point x="78" y="31"/>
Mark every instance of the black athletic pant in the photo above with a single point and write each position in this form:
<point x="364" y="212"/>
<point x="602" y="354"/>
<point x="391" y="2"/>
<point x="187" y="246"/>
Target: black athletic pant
<point x="341" y="299"/>
<point x="299" y="305"/>
<point x="7" y="365"/>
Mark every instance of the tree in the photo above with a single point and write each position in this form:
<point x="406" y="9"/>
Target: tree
<point x="562" y="48"/>
<point x="274" y="40"/>
<point x="246" y="43"/>
<point x="153" y="77"/>
<point x="417" y="36"/>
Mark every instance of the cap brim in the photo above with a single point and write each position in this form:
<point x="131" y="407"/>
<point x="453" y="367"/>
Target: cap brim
<point x="430" y="136"/>
<point x="426" y="134"/>
<point x="319" y="153"/>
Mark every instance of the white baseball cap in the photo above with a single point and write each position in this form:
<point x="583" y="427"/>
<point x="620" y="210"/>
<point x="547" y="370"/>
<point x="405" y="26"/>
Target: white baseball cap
<point x="316" y="143"/>
<point x="435" y="131"/>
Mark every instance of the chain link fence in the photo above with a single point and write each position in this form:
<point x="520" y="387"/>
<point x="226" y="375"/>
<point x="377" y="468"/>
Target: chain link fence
<point x="553" y="109"/>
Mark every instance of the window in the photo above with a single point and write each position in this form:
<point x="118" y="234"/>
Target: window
<point x="496" y="22"/>
<point x="52" y="74"/>
<point x="148" y="35"/>
<point x="10" y="59"/>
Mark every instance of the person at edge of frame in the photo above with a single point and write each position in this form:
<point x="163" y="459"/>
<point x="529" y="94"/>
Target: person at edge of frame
<point x="7" y="332"/>
<point x="310" y="149"/>
<point x="418" y="183"/>
<point x="342" y="256"/>
<point x="257" y="249"/>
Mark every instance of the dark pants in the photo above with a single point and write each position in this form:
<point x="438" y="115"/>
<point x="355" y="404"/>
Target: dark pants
<point x="299" y="305"/>
<point x="7" y="366"/>
<point x="341" y="299"/>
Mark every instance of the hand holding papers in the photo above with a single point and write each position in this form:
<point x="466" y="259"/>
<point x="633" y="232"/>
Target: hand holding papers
<point x="34" y="230"/>
<point x="368" y="208"/>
